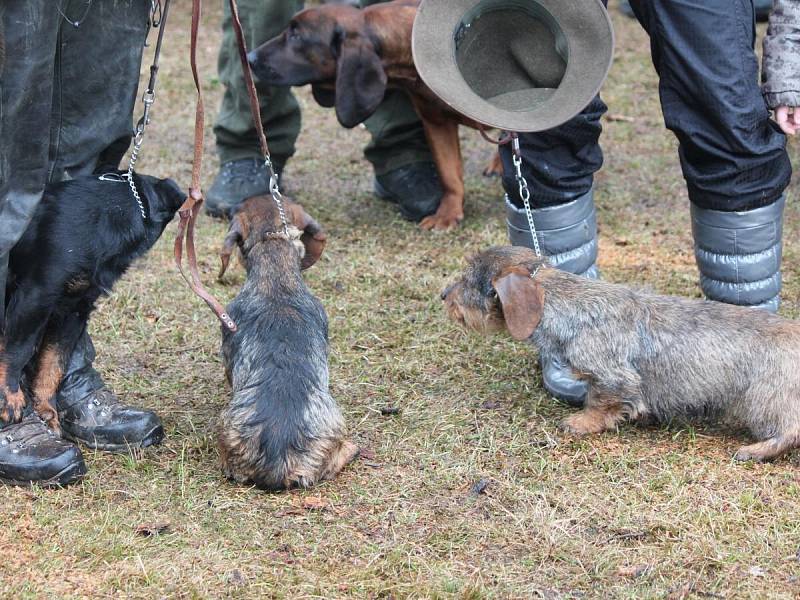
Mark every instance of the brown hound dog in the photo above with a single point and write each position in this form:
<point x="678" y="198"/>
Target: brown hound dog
<point x="350" y="57"/>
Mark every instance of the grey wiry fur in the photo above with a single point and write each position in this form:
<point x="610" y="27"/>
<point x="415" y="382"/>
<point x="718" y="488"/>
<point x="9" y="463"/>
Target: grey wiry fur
<point x="645" y="356"/>
<point x="282" y="428"/>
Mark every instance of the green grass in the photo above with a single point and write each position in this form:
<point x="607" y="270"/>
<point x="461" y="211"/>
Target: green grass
<point x="644" y="513"/>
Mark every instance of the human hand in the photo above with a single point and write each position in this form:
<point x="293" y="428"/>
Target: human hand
<point x="788" y="119"/>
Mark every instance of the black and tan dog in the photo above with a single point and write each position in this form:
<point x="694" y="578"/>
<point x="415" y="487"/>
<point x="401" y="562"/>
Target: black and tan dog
<point x="350" y="57"/>
<point x="644" y="356"/>
<point x="282" y="427"/>
<point x="85" y="234"/>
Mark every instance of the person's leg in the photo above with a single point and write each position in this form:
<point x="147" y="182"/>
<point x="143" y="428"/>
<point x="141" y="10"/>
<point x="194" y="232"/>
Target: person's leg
<point x="92" y="128"/>
<point x="559" y="167"/>
<point x="398" y="151"/>
<point x="242" y="172"/>
<point x="29" y="450"/>
<point x="732" y="155"/>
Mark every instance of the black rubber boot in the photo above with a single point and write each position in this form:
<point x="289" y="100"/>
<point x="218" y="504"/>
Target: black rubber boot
<point x="567" y="236"/>
<point x="91" y="414"/>
<point x="236" y="181"/>
<point x="415" y="188"/>
<point x="30" y="453"/>
<point x="763" y="8"/>
<point x="739" y="254"/>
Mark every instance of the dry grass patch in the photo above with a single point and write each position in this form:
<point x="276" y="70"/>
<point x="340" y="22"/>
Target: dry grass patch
<point x="470" y="491"/>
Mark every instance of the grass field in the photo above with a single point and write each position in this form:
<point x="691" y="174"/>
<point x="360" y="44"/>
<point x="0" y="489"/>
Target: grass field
<point x="645" y="513"/>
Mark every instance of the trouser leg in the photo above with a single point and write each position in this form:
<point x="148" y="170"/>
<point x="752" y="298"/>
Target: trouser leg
<point x="398" y="138"/>
<point x="30" y="29"/>
<point x="280" y="113"/>
<point x="732" y="155"/>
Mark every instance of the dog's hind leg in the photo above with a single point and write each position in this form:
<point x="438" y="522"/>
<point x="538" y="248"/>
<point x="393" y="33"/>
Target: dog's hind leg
<point x="26" y="318"/>
<point x="602" y="412"/>
<point x="769" y="448"/>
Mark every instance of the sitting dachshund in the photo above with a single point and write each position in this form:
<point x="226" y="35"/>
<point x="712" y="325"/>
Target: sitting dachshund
<point x="282" y="427"/>
<point x="84" y="235"/>
<point x="350" y="57"/>
<point x="644" y="356"/>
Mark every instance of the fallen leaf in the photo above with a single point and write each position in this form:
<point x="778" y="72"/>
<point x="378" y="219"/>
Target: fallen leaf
<point x="150" y="529"/>
<point x="632" y="571"/>
<point x="315" y="503"/>
<point x="478" y="488"/>
<point x="756" y="571"/>
<point x="390" y="410"/>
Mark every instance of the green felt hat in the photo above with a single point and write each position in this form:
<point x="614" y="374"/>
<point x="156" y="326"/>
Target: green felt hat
<point x="518" y="65"/>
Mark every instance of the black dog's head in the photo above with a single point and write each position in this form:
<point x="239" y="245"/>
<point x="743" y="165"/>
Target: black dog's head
<point x="329" y="47"/>
<point x="164" y="198"/>
<point x="257" y="219"/>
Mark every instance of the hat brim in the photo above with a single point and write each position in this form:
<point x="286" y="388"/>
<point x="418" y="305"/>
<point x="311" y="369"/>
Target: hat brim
<point x="590" y="39"/>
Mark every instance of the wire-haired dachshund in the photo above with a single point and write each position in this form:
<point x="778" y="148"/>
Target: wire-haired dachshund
<point x="282" y="428"/>
<point x="350" y="57"/>
<point x="644" y="356"/>
<point x="84" y="235"/>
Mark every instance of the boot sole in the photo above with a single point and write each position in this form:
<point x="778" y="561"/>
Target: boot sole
<point x="71" y="474"/>
<point x="154" y="437"/>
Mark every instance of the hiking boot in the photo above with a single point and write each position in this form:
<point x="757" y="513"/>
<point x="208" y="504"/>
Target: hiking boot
<point x="236" y="181"/>
<point x="102" y="422"/>
<point x="31" y="453"/>
<point x="415" y="188"/>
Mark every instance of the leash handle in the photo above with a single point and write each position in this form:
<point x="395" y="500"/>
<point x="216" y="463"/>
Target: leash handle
<point x="190" y="209"/>
<point x="502" y="141"/>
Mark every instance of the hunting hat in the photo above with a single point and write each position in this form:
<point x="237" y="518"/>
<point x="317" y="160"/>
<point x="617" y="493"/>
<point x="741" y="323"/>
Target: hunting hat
<point x="518" y="65"/>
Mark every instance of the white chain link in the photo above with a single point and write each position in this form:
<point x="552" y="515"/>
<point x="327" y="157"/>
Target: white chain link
<point x="274" y="189"/>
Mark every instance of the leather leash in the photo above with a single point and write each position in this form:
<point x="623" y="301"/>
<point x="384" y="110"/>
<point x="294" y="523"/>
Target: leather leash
<point x="190" y="209"/>
<point x="255" y="110"/>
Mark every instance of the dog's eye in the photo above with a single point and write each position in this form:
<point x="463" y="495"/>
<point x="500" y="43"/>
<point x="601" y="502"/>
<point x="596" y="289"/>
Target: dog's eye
<point x="491" y="294"/>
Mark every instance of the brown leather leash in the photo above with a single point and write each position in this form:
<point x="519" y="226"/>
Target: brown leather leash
<point x="255" y="110"/>
<point x="190" y="209"/>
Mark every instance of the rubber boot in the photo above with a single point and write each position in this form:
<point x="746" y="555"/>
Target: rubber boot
<point x="739" y="254"/>
<point x="567" y="236"/>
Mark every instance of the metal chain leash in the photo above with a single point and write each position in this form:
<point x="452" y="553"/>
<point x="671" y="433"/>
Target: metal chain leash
<point x="525" y="195"/>
<point x="148" y="98"/>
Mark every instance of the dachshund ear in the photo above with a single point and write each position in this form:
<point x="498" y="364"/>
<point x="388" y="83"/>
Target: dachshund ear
<point x="522" y="299"/>
<point x="325" y="97"/>
<point x="360" y="81"/>
<point x="313" y="238"/>
<point x="235" y="237"/>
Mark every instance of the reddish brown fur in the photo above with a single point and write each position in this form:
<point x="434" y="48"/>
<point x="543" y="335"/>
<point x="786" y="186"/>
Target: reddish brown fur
<point x="49" y="373"/>
<point x="390" y="25"/>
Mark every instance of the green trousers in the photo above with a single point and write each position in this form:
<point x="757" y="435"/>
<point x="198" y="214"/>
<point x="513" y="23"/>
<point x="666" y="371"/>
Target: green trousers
<point x="398" y="138"/>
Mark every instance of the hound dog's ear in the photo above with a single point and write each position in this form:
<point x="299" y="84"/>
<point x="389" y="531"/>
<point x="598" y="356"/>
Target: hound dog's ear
<point x="522" y="299"/>
<point x="325" y="97"/>
<point x="236" y="235"/>
<point x="360" y="80"/>
<point x="313" y="238"/>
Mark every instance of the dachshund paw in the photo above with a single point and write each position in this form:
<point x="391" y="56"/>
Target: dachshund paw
<point x="12" y="405"/>
<point x="48" y="414"/>
<point x="495" y="167"/>
<point x="582" y="423"/>
<point x="441" y="222"/>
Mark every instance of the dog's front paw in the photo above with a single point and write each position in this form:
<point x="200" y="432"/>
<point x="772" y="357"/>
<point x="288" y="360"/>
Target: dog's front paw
<point x="48" y="414"/>
<point x="582" y="423"/>
<point x="494" y="167"/>
<point x="12" y="404"/>
<point x="442" y="222"/>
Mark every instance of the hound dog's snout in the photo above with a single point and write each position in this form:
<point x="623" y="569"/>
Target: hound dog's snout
<point x="446" y="291"/>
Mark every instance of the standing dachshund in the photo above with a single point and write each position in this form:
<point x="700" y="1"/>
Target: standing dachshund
<point x="282" y="428"/>
<point x="644" y="356"/>
<point x="85" y="234"/>
<point x="350" y="57"/>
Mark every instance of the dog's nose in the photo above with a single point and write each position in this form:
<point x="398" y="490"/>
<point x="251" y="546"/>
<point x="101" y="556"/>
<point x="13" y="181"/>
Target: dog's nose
<point x="445" y="292"/>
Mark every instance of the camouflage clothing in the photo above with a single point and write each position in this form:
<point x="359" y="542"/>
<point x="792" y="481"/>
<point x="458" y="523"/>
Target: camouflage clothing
<point x="781" y="68"/>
